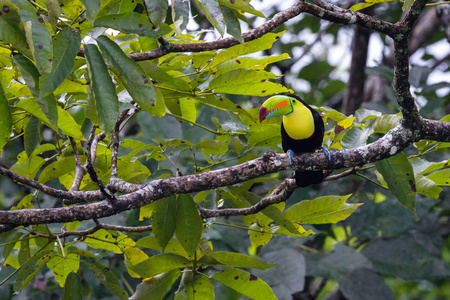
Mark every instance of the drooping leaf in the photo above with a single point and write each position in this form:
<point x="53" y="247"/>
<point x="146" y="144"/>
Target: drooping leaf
<point x="92" y="8"/>
<point x="245" y="283"/>
<point x="322" y="210"/>
<point x="107" y="278"/>
<point x="60" y="167"/>
<point x="164" y="220"/>
<point x="399" y="176"/>
<point x="129" y="22"/>
<point x="37" y="34"/>
<point x="356" y="136"/>
<point x="72" y="287"/>
<point x="108" y="240"/>
<point x="63" y="264"/>
<point x="31" y="267"/>
<point x="156" y="287"/>
<point x="66" y="45"/>
<point x="5" y="120"/>
<point x="427" y="187"/>
<point x="259" y="236"/>
<point x="130" y="73"/>
<point x="180" y="14"/>
<point x="32" y="135"/>
<point x="12" y="27"/>
<point x="157" y="10"/>
<point x="103" y="89"/>
<point x="194" y="286"/>
<point x="213" y="13"/>
<point x="189" y="223"/>
<point x="233" y="25"/>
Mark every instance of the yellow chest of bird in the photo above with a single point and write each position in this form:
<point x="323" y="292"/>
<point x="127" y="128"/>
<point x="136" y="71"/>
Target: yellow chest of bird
<point x="299" y="124"/>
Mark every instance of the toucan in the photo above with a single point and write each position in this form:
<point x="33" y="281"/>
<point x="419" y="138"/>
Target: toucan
<point x="302" y="131"/>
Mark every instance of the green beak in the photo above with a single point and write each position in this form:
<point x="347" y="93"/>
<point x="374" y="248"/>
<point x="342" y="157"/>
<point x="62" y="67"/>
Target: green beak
<point x="275" y="106"/>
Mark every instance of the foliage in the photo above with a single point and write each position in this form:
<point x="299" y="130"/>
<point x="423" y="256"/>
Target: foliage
<point x="189" y="112"/>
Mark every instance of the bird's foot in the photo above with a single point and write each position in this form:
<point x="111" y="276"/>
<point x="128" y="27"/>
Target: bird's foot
<point x="327" y="153"/>
<point x="290" y="153"/>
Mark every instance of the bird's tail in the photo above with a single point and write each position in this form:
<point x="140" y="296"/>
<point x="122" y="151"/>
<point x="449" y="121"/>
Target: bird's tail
<point x="306" y="178"/>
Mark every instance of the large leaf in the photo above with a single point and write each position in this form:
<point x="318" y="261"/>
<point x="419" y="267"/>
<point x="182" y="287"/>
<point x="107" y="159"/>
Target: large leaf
<point x="230" y="259"/>
<point x="132" y="76"/>
<point x="157" y="10"/>
<point x="92" y="8"/>
<point x="189" y="223"/>
<point x="245" y="283"/>
<point x="37" y="34"/>
<point x="107" y="278"/>
<point x="213" y="13"/>
<point x="130" y="22"/>
<point x="322" y="210"/>
<point x="441" y="177"/>
<point x="155" y="287"/>
<point x="247" y="82"/>
<point x="66" y="123"/>
<point x="158" y="264"/>
<point x="5" y="120"/>
<point x="31" y="267"/>
<point x="241" y="5"/>
<point x="108" y="240"/>
<point x="399" y="176"/>
<point x="164" y="220"/>
<point x="65" y="48"/>
<point x="194" y="286"/>
<point x="72" y="287"/>
<point x="103" y="89"/>
<point x="12" y="28"/>
<point x="63" y="264"/>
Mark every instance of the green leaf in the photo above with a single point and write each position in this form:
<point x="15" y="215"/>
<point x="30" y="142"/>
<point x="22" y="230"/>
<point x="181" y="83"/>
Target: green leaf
<point x="63" y="264"/>
<point x="233" y="25"/>
<point x="54" y="11"/>
<point x="194" y="286"/>
<point x="107" y="278"/>
<point x="180" y="15"/>
<point x="322" y="210"/>
<point x="399" y="176"/>
<point x="189" y="223"/>
<point x="427" y="187"/>
<point x="259" y="236"/>
<point x="156" y="287"/>
<point x="213" y="13"/>
<point x="66" y="123"/>
<point x="241" y="5"/>
<point x="407" y="4"/>
<point x="188" y="110"/>
<point x="130" y="22"/>
<point x="157" y="10"/>
<point x="441" y="177"/>
<point x="158" y="264"/>
<point x="92" y="8"/>
<point x="173" y="246"/>
<point x="57" y="168"/>
<point x="32" y="135"/>
<point x="73" y="287"/>
<point x="356" y="136"/>
<point x="29" y="73"/>
<point x="247" y="82"/>
<point x="154" y="72"/>
<point x="103" y="89"/>
<point x="31" y="267"/>
<point x="12" y="27"/>
<point x="245" y="283"/>
<point x="260" y="44"/>
<point x="232" y="259"/>
<point x="5" y="120"/>
<point x="108" y="240"/>
<point x="265" y="132"/>
<point x="249" y="63"/>
<point x="37" y="34"/>
<point x="164" y="220"/>
<point x="130" y="73"/>
<point x="66" y="45"/>
<point x="386" y="122"/>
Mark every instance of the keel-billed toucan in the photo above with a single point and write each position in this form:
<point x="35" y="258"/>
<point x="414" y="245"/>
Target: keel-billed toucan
<point x="302" y="131"/>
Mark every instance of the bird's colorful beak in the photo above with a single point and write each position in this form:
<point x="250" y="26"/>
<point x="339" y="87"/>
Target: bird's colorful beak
<point x="275" y="106"/>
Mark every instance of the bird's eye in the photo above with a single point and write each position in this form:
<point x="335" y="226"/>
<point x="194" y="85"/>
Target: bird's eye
<point x="293" y="101"/>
